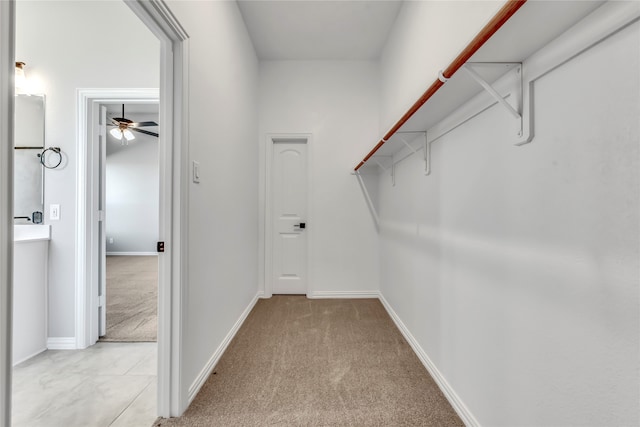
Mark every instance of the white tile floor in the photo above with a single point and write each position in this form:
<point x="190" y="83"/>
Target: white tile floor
<point x="108" y="384"/>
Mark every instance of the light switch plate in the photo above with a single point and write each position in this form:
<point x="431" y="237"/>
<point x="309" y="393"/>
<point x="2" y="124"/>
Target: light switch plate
<point x="196" y="172"/>
<point x="54" y="212"/>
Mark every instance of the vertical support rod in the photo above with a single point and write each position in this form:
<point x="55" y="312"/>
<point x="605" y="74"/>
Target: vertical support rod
<point x="393" y="174"/>
<point x="427" y="155"/>
<point x="367" y="197"/>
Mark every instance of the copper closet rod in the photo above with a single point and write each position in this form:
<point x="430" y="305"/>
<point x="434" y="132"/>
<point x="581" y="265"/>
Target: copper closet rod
<point x="503" y="15"/>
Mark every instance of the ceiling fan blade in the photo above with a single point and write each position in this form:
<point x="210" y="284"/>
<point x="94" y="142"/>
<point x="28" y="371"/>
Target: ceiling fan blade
<point x="146" y="132"/>
<point x="143" y="124"/>
<point x="122" y="120"/>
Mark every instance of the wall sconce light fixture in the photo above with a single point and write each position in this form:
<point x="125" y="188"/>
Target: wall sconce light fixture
<point x="20" y="78"/>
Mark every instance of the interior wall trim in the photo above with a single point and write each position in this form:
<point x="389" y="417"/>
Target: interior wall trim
<point x="61" y="343"/>
<point x="7" y="70"/>
<point x="163" y="17"/>
<point x="343" y="294"/>
<point x="215" y="357"/>
<point x="456" y="402"/>
<point x="34" y="354"/>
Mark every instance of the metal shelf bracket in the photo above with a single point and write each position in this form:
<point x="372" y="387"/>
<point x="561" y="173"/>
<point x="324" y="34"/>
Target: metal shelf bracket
<point x="379" y="163"/>
<point x="425" y="146"/>
<point x="370" y="204"/>
<point x="469" y="68"/>
<point x="404" y="141"/>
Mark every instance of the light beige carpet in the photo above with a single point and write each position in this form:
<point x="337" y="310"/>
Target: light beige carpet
<point x="132" y="298"/>
<point x="302" y="362"/>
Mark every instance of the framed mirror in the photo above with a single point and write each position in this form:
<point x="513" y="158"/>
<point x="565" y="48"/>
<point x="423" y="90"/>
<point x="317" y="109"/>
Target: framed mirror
<point x="28" y="172"/>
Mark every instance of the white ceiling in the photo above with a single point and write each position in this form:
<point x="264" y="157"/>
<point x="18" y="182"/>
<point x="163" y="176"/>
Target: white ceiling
<point x="319" y="29"/>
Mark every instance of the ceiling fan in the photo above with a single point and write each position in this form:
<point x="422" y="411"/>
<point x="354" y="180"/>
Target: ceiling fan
<point x="124" y="126"/>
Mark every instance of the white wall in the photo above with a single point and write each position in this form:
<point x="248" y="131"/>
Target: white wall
<point x="517" y="269"/>
<point x="69" y="45"/>
<point x="132" y="184"/>
<point x="336" y="102"/>
<point x="223" y="236"/>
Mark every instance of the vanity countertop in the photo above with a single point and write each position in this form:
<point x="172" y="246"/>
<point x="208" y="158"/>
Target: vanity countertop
<point x="31" y="232"/>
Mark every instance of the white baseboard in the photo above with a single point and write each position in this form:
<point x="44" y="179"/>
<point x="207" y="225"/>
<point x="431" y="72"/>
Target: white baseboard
<point x="343" y="294"/>
<point x="213" y="361"/>
<point x="61" y="343"/>
<point x="131" y="253"/>
<point x="17" y="362"/>
<point x="463" y="412"/>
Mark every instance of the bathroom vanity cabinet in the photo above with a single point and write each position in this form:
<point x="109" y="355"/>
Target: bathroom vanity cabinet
<point x="31" y="246"/>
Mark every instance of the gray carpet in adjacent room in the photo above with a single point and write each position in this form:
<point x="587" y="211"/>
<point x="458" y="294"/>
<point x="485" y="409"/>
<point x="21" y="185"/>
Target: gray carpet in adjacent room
<point x="132" y="298"/>
<point x="302" y="362"/>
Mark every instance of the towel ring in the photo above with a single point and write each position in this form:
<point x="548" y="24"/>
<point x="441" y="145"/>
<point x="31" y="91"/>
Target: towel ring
<point x="55" y="150"/>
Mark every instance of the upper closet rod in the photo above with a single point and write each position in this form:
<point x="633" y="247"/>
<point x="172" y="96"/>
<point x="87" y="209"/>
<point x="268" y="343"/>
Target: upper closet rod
<point x="503" y="15"/>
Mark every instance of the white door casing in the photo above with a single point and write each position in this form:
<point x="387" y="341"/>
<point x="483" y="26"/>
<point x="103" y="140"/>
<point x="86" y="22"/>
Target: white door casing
<point x="90" y="258"/>
<point x="173" y="396"/>
<point x="266" y="230"/>
<point x="289" y="216"/>
<point x="101" y="227"/>
<point x="7" y="61"/>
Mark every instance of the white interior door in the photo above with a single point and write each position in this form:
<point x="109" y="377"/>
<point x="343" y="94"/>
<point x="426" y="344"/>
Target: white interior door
<point x="102" y="238"/>
<point x="289" y="202"/>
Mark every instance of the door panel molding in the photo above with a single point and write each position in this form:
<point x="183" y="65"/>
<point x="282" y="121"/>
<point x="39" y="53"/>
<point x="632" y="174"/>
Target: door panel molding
<point x="266" y="213"/>
<point x="289" y="200"/>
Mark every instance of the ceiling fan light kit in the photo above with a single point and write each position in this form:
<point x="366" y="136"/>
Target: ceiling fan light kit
<point x="128" y="135"/>
<point x="116" y="133"/>
<point x="124" y="127"/>
<point x="119" y="133"/>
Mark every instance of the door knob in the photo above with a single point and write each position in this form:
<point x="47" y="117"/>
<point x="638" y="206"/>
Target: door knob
<point x="301" y="225"/>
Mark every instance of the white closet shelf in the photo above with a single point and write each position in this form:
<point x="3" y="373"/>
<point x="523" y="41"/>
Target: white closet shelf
<point x="516" y="32"/>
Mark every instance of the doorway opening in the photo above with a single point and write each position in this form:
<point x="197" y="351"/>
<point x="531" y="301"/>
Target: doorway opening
<point x="130" y="369"/>
<point x="129" y="198"/>
<point x="156" y="16"/>
<point x="136" y="178"/>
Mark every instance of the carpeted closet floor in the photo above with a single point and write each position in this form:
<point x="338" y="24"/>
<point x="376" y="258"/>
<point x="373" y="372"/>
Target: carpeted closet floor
<point x="132" y="298"/>
<point x="332" y="362"/>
